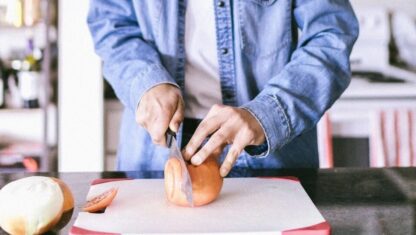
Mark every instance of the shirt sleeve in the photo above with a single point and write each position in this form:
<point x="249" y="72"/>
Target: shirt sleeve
<point x="130" y="64"/>
<point x="319" y="71"/>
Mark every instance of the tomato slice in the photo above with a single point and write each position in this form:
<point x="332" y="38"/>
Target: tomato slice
<point x="101" y="201"/>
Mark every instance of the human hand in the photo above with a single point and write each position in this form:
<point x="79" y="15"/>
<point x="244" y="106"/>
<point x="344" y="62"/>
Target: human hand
<point x="160" y="107"/>
<point x="226" y="125"/>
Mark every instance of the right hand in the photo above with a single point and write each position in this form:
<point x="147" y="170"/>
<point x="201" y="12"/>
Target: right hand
<point x="160" y="108"/>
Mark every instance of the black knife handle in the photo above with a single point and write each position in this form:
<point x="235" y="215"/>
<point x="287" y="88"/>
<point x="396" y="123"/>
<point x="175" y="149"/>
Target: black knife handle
<point x="169" y="137"/>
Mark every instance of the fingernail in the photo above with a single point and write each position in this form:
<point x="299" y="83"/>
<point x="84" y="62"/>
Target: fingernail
<point x="175" y="128"/>
<point x="196" y="160"/>
<point x="223" y="172"/>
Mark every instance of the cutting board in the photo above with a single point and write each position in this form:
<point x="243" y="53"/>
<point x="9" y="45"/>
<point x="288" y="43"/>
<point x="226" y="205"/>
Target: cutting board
<point x="245" y="205"/>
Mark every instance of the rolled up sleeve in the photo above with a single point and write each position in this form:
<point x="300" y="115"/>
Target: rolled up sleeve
<point x="319" y="71"/>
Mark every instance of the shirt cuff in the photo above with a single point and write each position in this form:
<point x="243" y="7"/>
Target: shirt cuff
<point x="270" y="114"/>
<point x="154" y="75"/>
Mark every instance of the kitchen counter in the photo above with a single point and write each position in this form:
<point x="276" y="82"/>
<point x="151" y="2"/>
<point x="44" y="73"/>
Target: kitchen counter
<point x="353" y="201"/>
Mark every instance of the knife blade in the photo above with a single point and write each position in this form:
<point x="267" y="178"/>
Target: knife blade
<point x="186" y="184"/>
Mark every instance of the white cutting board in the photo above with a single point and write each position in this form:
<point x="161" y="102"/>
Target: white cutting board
<point x="245" y="205"/>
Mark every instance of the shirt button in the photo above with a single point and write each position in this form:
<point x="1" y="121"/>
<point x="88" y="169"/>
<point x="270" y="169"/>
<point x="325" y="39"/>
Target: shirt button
<point x="221" y="4"/>
<point x="224" y="51"/>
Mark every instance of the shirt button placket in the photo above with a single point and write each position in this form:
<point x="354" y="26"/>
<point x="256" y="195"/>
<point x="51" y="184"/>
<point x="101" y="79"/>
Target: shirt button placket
<point x="225" y="53"/>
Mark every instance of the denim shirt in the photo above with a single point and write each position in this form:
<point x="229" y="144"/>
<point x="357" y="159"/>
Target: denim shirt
<point x="285" y="61"/>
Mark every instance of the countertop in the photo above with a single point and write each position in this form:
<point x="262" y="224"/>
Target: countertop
<point x="353" y="201"/>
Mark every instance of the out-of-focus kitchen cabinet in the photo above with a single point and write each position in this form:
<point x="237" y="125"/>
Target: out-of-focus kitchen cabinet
<point x="353" y="116"/>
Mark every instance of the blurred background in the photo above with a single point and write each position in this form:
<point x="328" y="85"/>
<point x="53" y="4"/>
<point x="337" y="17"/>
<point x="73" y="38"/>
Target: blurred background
<point x="58" y="114"/>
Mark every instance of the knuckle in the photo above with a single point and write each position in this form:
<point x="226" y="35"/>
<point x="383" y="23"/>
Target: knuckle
<point x="220" y="137"/>
<point x="203" y="125"/>
<point x="235" y="117"/>
<point x="234" y="151"/>
<point x="191" y="143"/>
<point x="229" y="162"/>
<point x="228" y="109"/>
<point x="140" y="119"/>
<point x="157" y="137"/>
<point x="238" y="115"/>
<point x="157" y="140"/>
<point x="142" y="122"/>
<point x="174" y="98"/>
<point x="217" y="107"/>
<point x="214" y="143"/>
<point x="177" y="118"/>
<point x="250" y="137"/>
<point x="204" y="152"/>
<point x="249" y="132"/>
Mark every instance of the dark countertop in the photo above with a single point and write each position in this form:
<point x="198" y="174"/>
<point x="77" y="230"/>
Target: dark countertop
<point x="353" y="201"/>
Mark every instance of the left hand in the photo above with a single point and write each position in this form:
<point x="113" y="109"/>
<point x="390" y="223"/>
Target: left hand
<point x="226" y="125"/>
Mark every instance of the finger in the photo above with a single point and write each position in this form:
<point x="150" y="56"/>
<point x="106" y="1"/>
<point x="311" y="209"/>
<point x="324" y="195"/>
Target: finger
<point x="177" y="118"/>
<point x="157" y="130"/>
<point x="141" y="120"/>
<point x="214" y="110"/>
<point x="217" y="140"/>
<point x="218" y="151"/>
<point x="230" y="159"/>
<point x="141" y="116"/>
<point x="205" y="128"/>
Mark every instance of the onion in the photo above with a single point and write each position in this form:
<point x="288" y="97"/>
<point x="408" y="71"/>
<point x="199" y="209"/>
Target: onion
<point x="206" y="182"/>
<point x="33" y="205"/>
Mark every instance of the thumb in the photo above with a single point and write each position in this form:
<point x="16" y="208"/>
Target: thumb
<point x="177" y="118"/>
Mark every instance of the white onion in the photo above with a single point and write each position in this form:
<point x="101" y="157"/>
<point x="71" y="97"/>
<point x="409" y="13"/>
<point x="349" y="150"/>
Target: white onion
<point x="30" y="205"/>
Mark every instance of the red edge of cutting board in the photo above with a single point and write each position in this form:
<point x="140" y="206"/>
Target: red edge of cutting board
<point x="319" y="229"/>
<point x="102" y="181"/>
<point x="292" y="178"/>
<point x="80" y="231"/>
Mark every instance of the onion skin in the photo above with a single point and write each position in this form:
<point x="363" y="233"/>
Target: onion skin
<point x="101" y="201"/>
<point x="68" y="197"/>
<point x="31" y="205"/>
<point x="206" y="182"/>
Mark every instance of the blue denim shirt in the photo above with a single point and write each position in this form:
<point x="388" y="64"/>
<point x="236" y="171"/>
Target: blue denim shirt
<point x="285" y="61"/>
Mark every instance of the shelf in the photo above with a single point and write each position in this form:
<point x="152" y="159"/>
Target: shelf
<point x="28" y="124"/>
<point x="34" y="126"/>
<point x="31" y="161"/>
<point x="12" y="39"/>
<point x="6" y="28"/>
<point x="352" y="114"/>
<point x="11" y="111"/>
<point x="361" y="88"/>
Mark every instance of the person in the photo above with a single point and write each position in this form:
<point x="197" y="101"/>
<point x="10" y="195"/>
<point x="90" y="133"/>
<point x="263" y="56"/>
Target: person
<point x="248" y="79"/>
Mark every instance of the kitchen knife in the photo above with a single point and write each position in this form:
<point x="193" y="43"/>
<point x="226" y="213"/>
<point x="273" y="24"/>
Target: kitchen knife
<point x="186" y="184"/>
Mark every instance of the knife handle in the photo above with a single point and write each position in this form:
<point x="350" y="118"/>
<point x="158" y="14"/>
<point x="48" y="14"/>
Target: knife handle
<point x="169" y="137"/>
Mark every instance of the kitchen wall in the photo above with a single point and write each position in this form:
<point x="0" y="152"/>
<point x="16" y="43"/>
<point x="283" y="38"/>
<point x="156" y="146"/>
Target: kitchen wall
<point x="408" y="6"/>
<point x="80" y="92"/>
